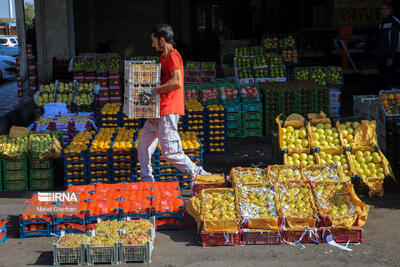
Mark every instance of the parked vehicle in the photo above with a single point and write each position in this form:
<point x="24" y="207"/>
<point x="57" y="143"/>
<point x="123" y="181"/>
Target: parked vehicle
<point x="8" y="68"/>
<point x="9" y="41"/>
<point x="6" y="49"/>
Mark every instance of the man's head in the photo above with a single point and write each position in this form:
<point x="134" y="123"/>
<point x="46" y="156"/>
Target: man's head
<point x="386" y="10"/>
<point x="161" y="35"/>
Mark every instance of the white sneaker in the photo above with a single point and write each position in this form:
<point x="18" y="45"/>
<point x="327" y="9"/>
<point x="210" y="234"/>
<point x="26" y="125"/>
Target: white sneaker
<point x="203" y="172"/>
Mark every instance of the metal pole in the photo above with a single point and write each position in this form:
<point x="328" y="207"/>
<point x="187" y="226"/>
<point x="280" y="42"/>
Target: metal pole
<point x="10" y="4"/>
<point x="23" y="60"/>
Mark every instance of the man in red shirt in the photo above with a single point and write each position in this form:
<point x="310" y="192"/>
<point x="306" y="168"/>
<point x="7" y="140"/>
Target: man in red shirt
<point x="165" y="129"/>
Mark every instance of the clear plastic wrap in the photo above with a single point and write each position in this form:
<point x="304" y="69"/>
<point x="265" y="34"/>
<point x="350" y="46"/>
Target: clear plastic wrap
<point x="284" y="173"/>
<point x="323" y="173"/>
<point x="296" y="200"/>
<point x="241" y="175"/>
<point x="257" y="201"/>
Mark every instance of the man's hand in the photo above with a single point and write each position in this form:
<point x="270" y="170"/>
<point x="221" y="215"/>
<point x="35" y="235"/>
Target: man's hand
<point x="147" y="95"/>
<point x="389" y="62"/>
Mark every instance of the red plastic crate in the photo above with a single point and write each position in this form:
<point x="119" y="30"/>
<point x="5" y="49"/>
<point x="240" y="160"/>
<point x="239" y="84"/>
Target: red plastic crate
<point x="306" y="236"/>
<point x="342" y="235"/>
<point x="220" y="239"/>
<point x="261" y="238"/>
<point x="103" y="82"/>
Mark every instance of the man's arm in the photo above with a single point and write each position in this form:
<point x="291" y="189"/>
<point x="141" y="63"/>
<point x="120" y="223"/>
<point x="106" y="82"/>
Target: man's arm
<point x="173" y="84"/>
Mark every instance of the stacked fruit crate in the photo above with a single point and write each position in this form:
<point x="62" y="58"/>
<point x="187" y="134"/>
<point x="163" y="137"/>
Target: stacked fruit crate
<point x="99" y="156"/>
<point x="215" y="142"/>
<point x="321" y="99"/>
<point x="122" y="155"/>
<point x="230" y="97"/>
<point x="252" y="110"/>
<point x="15" y="165"/>
<point x="41" y="170"/>
<point x="75" y="161"/>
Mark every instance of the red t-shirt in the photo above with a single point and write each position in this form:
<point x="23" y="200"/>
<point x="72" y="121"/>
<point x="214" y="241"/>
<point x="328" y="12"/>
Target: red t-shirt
<point x="172" y="102"/>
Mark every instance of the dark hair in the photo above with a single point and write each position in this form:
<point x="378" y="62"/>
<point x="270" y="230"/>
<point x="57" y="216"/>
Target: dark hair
<point x="387" y="4"/>
<point x="165" y="31"/>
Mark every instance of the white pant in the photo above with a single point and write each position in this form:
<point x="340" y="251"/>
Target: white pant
<point x="165" y="130"/>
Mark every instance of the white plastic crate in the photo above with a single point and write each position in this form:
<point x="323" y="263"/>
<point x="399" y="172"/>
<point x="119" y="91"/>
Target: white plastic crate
<point x="142" y="72"/>
<point x="133" y="109"/>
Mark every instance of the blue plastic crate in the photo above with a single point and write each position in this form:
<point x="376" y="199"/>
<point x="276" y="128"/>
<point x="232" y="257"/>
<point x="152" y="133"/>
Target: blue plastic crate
<point x="25" y="222"/>
<point x="234" y="124"/>
<point x="25" y="234"/>
<point x="105" y="217"/>
<point x="68" y="219"/>
<point x="233" y="108"/>
<point x="145" y="215"/>
<point x="167" y="214"/>
<point x="68" y="231"/>
<point x="252" y="107"/>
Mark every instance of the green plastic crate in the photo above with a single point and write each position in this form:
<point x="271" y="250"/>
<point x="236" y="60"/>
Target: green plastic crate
<point x="16" y="164"/>
<point x="41" y="184"/>
<point x="13" y="176"/>
<point x="36" y="163"/>
<point x="253" y="132"/>
<point x="234" y="133"/>
<point x="236" y="100"/>
<point x="253" y="116"/>
<point x="233" y="116"/>
<point x="41" y="174"/>
<point x="16" y="186"/>
<point x="252" y="124"/>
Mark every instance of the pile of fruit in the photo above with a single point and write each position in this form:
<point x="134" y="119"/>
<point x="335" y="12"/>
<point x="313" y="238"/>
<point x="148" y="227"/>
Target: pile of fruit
<point x="193" y="105"/>
<point x="65" y="93"/>
<point x="290" y="55"/>
<point x="303" y="159"/>
<point x="284" y="174"/>
<point x="261" y="73"/>
<point x="328" y="159"/>
<point x="189" y="140"/>
<point x="277" y="72"/>
<point x="104" y="240"/>
<point x="80" y="142"/>
<point x="368" y="164"/>
<point x="114" y="63"/>
<point x="90" y="63"/>
<point x="297" y="200"/>
<point x="191" y="65"/>
<point x="335" y="75"/>
<point x="245" y="73"/>
<point x="243" y="62"/>
<point x="322" y="173"/>
<point x="256" y="51"/>
<point x="229" y="92"/>
<point x="218" y="206"/>
<point x="333" y="199"/>
<point x="287" y="41"/>
<point x="102" y="140"/>
<point x="101" y="64"/>
<point x="124" y="139"/>
<point x="208" y="66"/>
<point x="257" y="202"/>
<point x="191" y="93"/>
<point x="391" y="102"/>
<point x="241" y="52"/>
<point x="347" y="130"/>
<point x="318" y="75"/>
<point x="16" y="145"/>
<point x="275" y="61"/>
<point x="259" y="61"/>
<point x="294" y="138"/>
<point x="250" y="90"/>
<point x="303" y="74"/>
<point x="78" y="64"/>
<point x="209" y="93"/>
<point x="247" y="175"/>
<point x="46" y="95"/>
<point x="84" y="94"/>
<point x="73" y="240"/>
<point x="41" y="143"/>
<point x="324" y="135"/>
<point x="271" y="42"/>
